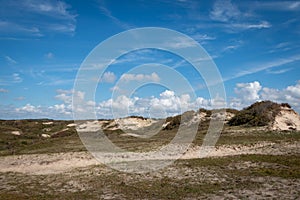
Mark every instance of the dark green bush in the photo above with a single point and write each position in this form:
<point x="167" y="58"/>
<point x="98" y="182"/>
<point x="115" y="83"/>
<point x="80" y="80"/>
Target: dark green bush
<point x="258" y="114"/>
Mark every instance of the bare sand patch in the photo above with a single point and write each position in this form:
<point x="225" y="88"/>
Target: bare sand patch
<point x="286" y="119"/>
<point x="61" y="162"/>
<point x="46" y="163"/>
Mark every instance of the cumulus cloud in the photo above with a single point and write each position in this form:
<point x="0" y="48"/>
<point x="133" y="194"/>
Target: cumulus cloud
<point x="114" y="88"/>
<point x="165" y="104"/>
<point x="294" y="90"/>
<point x="271" y="94"/>
<point x="66" y="95"/>
<point x="29" y="108"/>
<point x="290" y="94"/>
<point x="63" y="97"/>
<point x="248" y="92"/>
<point x="108" y="77"/>
<point x="62" y="109"/>
<point x="140" y="77"/>
<point x="58" y="111"/>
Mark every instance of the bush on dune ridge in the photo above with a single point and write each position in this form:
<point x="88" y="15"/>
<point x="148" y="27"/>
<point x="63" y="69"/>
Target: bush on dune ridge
<point x="258" y="114"/>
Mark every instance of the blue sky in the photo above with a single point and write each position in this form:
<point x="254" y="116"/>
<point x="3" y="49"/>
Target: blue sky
<point x="255" y="45"/>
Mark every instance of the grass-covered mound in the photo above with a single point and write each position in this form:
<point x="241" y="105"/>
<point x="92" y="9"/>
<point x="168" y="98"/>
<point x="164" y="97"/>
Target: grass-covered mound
<point x="258" y="114"/>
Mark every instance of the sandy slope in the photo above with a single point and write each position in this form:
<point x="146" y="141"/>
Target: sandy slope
<point x="287" y="119"/>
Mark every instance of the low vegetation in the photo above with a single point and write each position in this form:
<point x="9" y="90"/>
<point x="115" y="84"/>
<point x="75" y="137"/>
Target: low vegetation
<point x="271" y="174"/>
<point x="258" y="114"/>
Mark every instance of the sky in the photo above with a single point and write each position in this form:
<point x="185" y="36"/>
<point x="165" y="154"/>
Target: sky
<point x="44" y="44"/>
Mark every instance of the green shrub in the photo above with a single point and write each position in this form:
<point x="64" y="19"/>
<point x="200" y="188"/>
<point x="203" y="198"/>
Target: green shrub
<point x="258" y="114"/>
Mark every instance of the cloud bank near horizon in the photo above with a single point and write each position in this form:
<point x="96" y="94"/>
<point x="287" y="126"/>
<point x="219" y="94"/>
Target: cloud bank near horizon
<point x="167" y="104"/>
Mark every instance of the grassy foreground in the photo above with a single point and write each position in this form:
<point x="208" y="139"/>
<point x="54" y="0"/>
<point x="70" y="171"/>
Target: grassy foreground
<point x="257" y="176"/>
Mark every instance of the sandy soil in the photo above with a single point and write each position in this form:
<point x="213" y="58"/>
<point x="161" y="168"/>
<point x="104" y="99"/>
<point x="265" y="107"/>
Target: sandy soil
<point x="287" y="119"/>
<point x="61" y="162"/>
<point x="46" y="163"/>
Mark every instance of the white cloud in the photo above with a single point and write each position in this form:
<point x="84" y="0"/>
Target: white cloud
<point x="29" y="108"/>
<point x="271" y="94"/>
<point x="116" y="20"/>
<point x="49" y="55"/>
<point x="55" y="9"/>
<point x="57" y="111"/>
<point x="108" y="77"/>
<point x="66" y="95"/>
<point x="224" y="10"/>
<point x="248" y="92"/>
<point x="217" y="103"/>
<point x="17" y="78"/>
<point x="65" y="91"/>
<point x="166" y="104"/>
<point x="20" y="98"/>
<point x="294" y="90"/>
<point x="121" y="102"/>
<point x="62" y="109"/>
<point x="2" y="90"/>
<point x="202" y="102"/>
<point x="290" y="95"/>
<point x="231" y="47"/>
<point x="62" y="28"/>
<point x="283" y="46"/>
<point x="11" y="79"/>
<point x="244" y="26"/>
<point x="60" y="17"/>
<point x="56" y="81"/>
<point x="233" y="19"/>
<point x="13" y="28"/>
<point x="264" y="66"/>
<point x="278" y="5"/>
<point x="281" y="71"/>
<point x="140" y="77"/>
<point x="180" y="43"/>
<point x="203" y="37"/>
<point x="114" y="89"/>
<point x="10" y="60"/>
